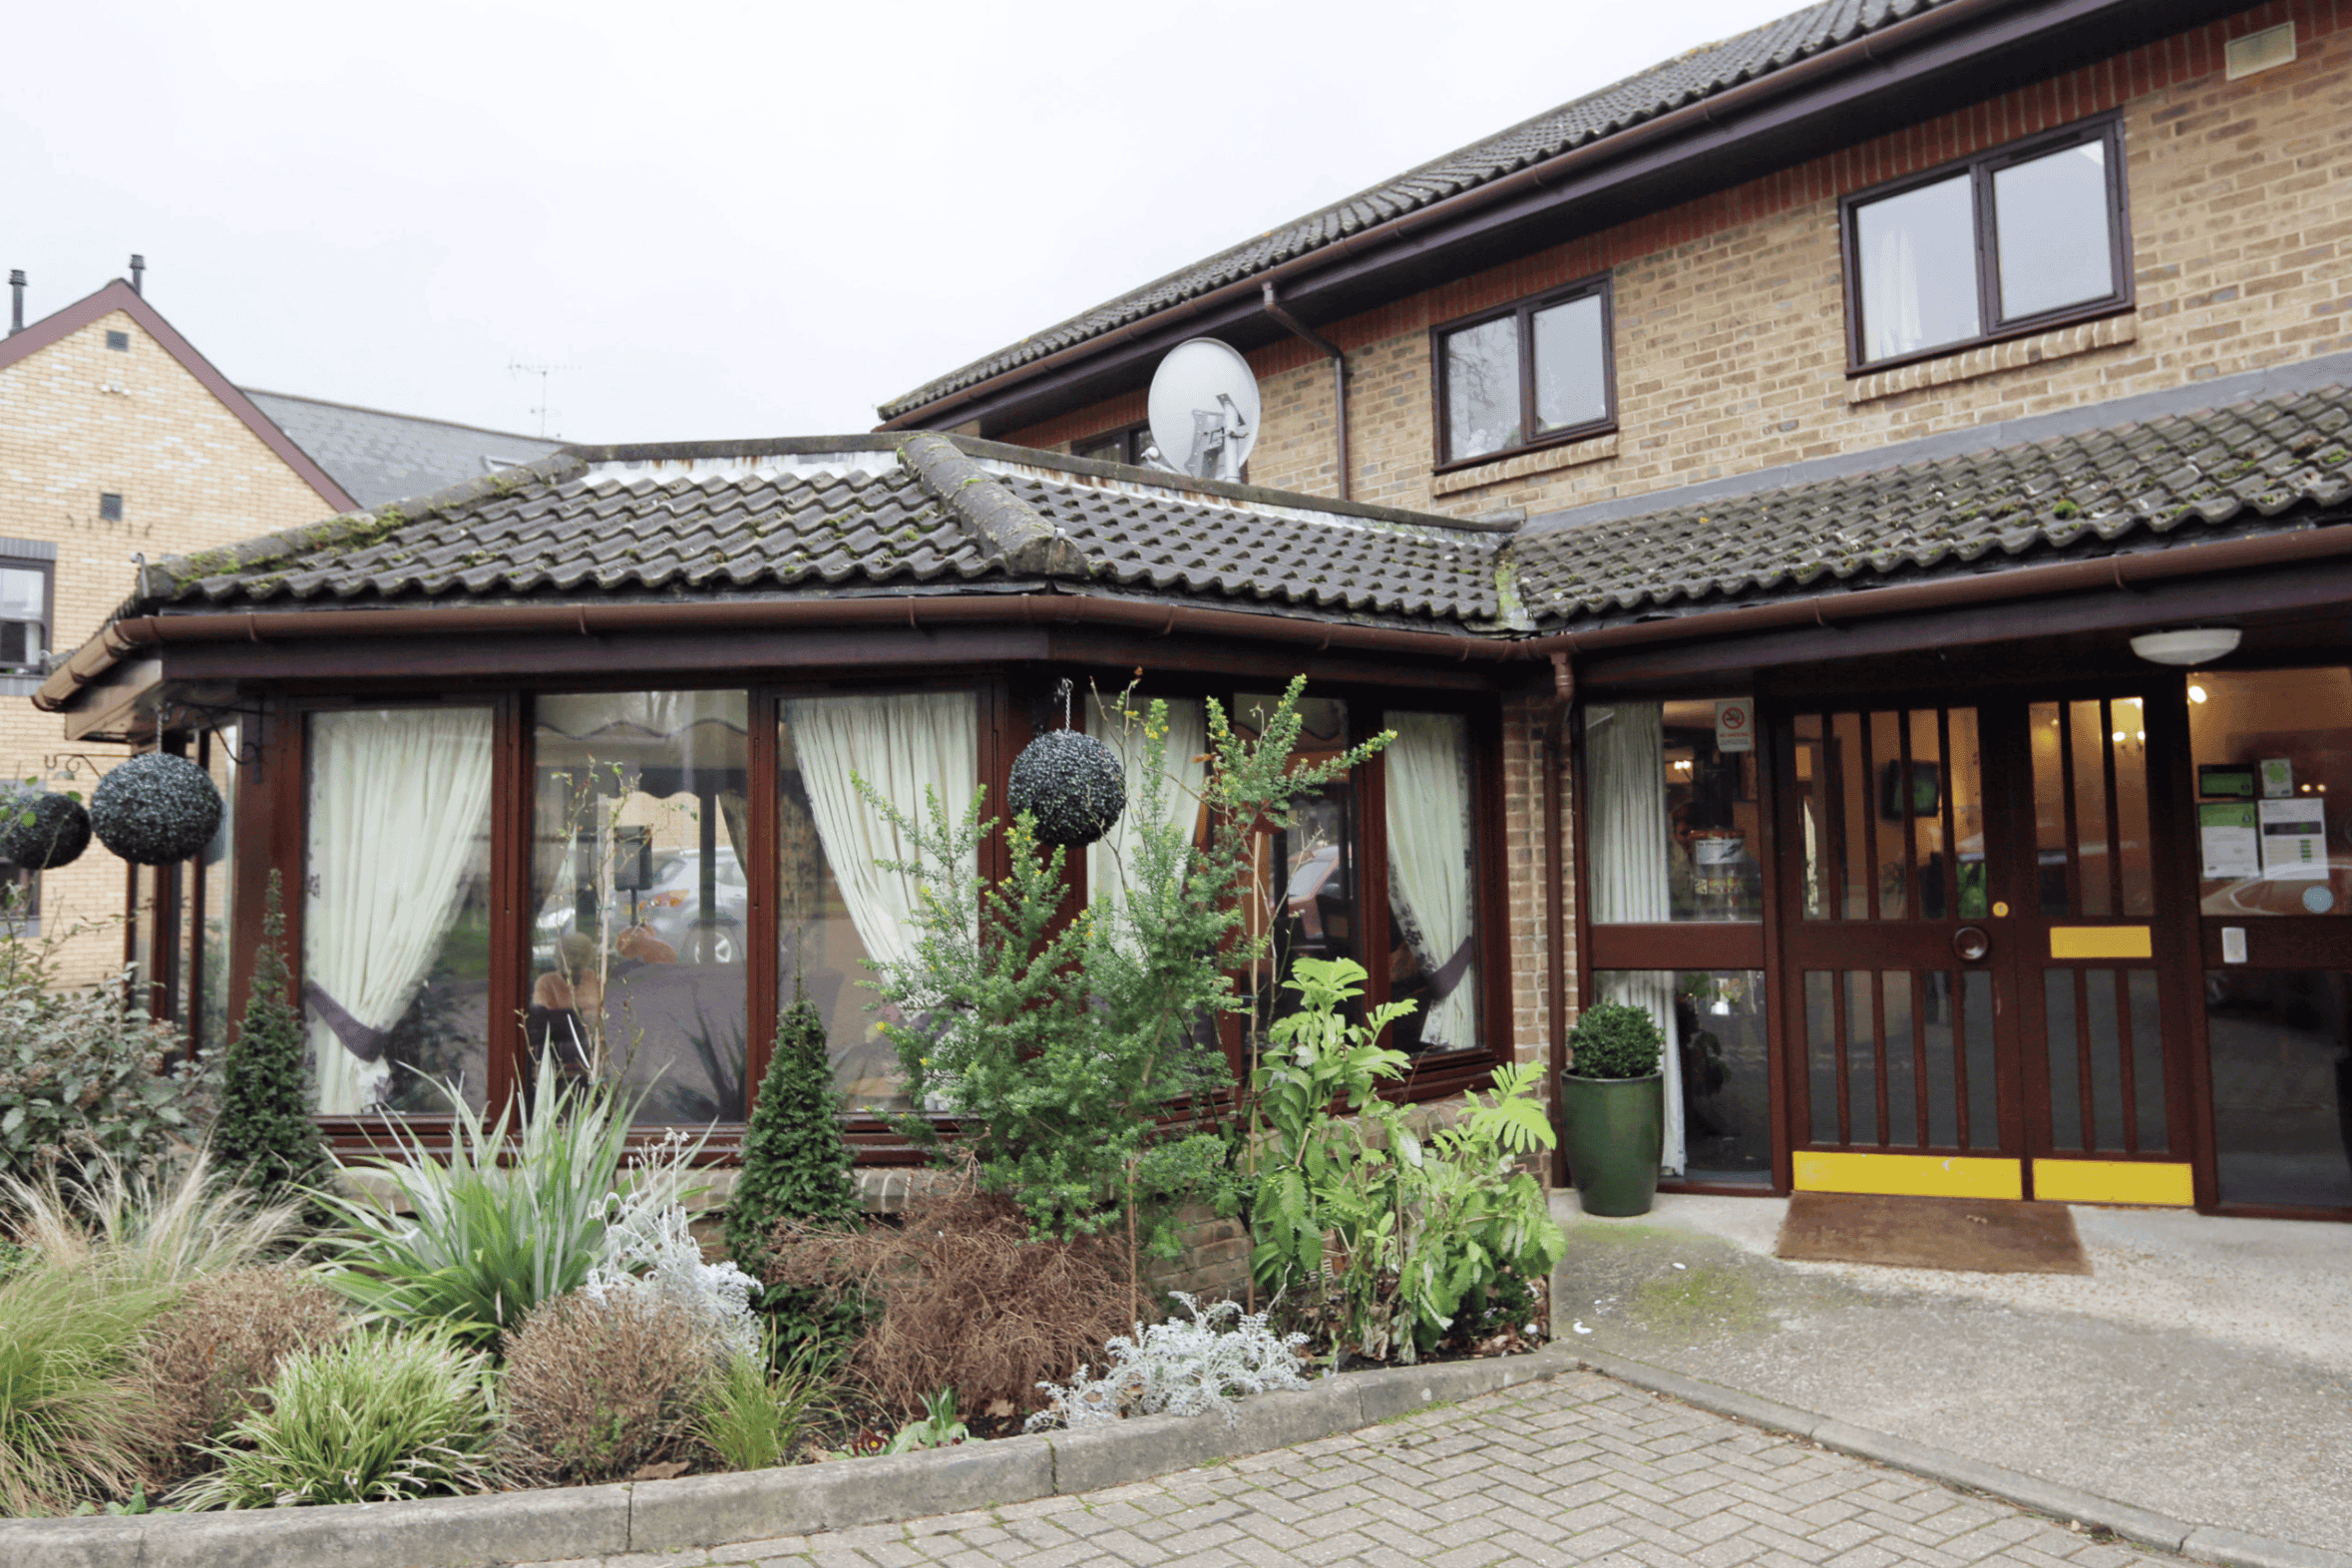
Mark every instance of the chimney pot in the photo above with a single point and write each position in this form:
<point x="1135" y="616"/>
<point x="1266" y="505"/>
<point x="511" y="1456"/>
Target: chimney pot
<point x="16" y="306"/>
<point x="138" y="274"/>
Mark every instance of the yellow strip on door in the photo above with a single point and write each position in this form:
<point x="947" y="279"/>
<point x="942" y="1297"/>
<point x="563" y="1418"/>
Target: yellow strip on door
<point x="2113" y="1181"/>
<point x="2101" y="942"/>
<point x="1909" y="1175"/>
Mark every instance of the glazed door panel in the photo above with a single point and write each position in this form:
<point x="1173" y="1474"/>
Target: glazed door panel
<point x="1971" y="915"/>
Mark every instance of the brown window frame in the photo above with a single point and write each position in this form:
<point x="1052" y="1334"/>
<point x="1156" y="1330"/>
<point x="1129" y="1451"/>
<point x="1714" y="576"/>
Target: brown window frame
<point x="1981" y="168"/>
<point x="1524" y="310"/>
<point x="1132" y="439"/>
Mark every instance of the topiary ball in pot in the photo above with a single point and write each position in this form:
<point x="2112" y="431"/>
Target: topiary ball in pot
<point x="1071" y="784"/>
<point x="1613" y="1108"/>
<point x="155" y="809"/>
<point x="41" y="831"/>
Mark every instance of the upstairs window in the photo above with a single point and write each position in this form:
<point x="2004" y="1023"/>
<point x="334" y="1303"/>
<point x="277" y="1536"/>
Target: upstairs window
<point x="2025" y="237"/>
<point x="1531" y="374"/>
<point x="24" y="614"/>
<point x="1132" y="446"/>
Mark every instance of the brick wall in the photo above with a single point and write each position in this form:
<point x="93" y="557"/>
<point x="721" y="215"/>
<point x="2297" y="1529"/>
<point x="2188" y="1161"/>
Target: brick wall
<point x="1730" y="316"/>
<point x="78" y="419"/>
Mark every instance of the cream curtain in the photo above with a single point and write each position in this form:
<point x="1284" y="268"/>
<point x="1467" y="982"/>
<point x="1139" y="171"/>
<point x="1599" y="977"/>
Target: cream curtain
<point x="1113" y="860"/>
<point x="399" y="805"/>
<point x="1428" y="778"/>
<point x="902" y="745"/>
<point x="1625" y="770"/>
<point x="1891" y="288"/>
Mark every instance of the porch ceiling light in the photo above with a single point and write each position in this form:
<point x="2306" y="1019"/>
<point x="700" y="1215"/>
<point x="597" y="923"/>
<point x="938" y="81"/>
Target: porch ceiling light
<point x="2189" y="646"/>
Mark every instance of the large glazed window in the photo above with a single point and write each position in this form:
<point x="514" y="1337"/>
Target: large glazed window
<point x="2273" y="753"/>
<point x="2010" y="241"/>
<point x="1305" y="874"/>
<point x="395" y="917"/>
<point x="1673" y="817"/>
<point x="838" y="907"/>
<point x="1114" y="860"/>
<point x="1535" y="373"/>
<point x="639" y="896"/>
<point x="24" y="614"/>
<point x="1433" y="958"/>
<point x="1719" y="1114"/>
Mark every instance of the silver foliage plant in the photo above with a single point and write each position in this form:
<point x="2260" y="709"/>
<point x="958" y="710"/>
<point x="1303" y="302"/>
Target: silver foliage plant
<point x="650" y="1253"/>
<point x="1179" y="1368"/>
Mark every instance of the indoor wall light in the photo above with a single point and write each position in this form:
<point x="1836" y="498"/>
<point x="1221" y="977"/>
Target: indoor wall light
<point x="2189" y="646"/>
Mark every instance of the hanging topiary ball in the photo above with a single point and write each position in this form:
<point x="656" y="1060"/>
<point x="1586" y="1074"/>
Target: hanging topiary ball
<point x="155" y="809"/>
<point x="41" y="831"/>
<point x="1071" y="784"/>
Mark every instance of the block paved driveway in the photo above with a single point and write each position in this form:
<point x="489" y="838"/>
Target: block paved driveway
<point x="1576" y="1471"/>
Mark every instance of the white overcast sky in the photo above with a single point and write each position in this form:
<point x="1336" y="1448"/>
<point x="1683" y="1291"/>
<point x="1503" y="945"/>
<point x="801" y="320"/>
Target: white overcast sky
<point x="724" y="221"/>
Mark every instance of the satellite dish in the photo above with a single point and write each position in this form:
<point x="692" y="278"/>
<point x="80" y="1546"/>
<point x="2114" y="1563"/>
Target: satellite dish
<point x="1203" y="410"/>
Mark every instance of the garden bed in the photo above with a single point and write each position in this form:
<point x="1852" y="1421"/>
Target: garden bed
<point x="711" y="1510"/>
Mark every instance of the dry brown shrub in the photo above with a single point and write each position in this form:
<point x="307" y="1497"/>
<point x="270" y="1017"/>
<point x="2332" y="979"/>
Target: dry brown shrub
<point x="205" y="1361"/>
<point x="598" y="1390"/>
<point x="966" y="1299"/>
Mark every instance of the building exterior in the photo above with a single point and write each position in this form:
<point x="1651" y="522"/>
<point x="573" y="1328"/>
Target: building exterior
<point x="1799" y="365"/>
<point x="1747" y="493"/>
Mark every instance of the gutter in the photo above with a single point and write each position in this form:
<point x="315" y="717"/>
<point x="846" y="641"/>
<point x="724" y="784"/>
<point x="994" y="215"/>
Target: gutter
<point x="1861" y="53"/>
<point x="1047" y="607"/>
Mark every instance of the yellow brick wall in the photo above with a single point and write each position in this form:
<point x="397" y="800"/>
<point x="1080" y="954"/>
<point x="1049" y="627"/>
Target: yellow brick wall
<point x="1730" y="316"/>
<point x="78" y="419"/>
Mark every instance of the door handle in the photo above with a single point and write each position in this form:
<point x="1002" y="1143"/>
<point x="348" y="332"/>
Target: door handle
<point x="1971" y="943"/>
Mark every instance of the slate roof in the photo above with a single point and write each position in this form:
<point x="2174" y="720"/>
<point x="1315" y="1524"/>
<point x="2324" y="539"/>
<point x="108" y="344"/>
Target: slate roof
<point x="2266" y="462"/>
<point x="379" y="457"/>
<point x="863" y="514"/>
<point x="1700" y="73"/>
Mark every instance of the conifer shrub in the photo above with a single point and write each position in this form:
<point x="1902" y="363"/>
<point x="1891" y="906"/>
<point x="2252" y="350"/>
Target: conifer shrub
<point x="264" y="1136"/>
<point x="796" y="1167"/>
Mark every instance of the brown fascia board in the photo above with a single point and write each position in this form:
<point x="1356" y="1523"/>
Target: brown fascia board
<point x="1795" y="113"/>
<point x="119" y="296"/>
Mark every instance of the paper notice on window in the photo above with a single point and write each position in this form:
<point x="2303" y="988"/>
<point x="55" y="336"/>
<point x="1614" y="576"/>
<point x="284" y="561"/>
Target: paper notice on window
<point x="2229" y="841"/>
<point x="2294" y="839"/>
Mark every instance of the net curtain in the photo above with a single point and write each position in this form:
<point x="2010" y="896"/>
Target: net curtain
<point x="399" y="802"/>
<point x="1625" y="773"/>
<point x="1116" y="857"/>
<point x="1428" y="812"/>
<point x="902" y="745"/>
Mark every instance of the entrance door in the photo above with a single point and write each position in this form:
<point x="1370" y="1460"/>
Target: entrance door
<point x="1970" y="1000"/>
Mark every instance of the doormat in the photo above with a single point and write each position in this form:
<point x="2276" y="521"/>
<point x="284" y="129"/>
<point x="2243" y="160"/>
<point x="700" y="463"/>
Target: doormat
<point x="1979" y="1235"/>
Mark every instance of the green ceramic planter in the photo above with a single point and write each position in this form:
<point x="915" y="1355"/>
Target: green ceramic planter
<point x="1613" y="1130"/>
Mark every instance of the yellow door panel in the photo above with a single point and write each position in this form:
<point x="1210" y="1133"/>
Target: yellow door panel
<point x="2113" y="1181"/>
<point x="1910" y="1175"/>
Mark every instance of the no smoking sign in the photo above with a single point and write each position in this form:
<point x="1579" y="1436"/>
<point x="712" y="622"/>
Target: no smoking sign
<point x="1735" y="724"/>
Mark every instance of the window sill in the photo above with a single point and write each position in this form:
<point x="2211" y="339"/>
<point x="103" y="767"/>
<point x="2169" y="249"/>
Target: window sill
<point x="1543" y="460"/>
<point x="1989" y="359"/>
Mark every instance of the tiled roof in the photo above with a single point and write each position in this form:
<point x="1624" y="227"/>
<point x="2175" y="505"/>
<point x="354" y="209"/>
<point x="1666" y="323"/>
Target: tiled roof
<point x="858" y="513"/>
<point x="1701" y="73"/>
<point x="935" y="514"/>
<point x="2267" y="461"/>
<point x="380" y="457"/>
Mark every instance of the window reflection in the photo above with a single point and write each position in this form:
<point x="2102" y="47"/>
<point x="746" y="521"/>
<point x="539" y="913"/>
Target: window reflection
<point x="1482" y="389"/>
<point x="2268" y="745"/>
<point x="638" y="833"/>
<point x="1918" y="266"/>
<point x="2281" y="1043"/>
<point x="1304" y="873"/>
<point x="1718" y="1078"/>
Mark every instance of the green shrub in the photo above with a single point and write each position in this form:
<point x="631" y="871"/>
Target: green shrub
<point x="1075" y="1053"/>
<point x="86" y="1072"/>
<point x="1615" y="1039"/>
<point x="754" y="1413"/>
<point x="74" y="1428"/>
<point x="483" y="1242"/>
<point x="264" y="1136"/>
<point x="597" y="1387"/>
<point x="378" y="1417"/>
<point x="796" y="1166"/>
<point x="1422" y="1227"/>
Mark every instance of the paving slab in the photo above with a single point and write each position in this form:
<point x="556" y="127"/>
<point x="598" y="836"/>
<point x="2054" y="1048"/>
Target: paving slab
<point x="2203" y="1371"/>
<point x="1622" y="1476"/>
